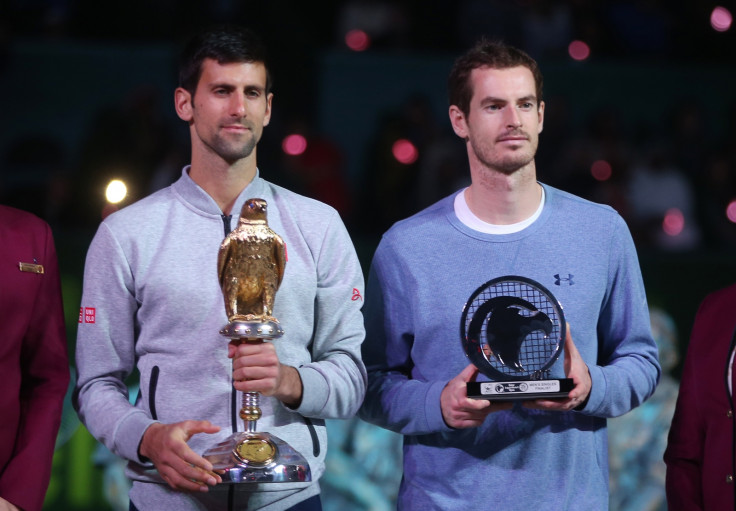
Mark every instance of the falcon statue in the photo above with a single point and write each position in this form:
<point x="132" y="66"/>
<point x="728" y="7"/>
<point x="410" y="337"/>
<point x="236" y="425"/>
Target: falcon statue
<point x="250" y="266"/>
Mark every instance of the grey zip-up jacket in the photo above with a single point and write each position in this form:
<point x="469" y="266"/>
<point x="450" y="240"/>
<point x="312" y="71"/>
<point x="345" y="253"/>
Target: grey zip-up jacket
<point x="152" y="301"/>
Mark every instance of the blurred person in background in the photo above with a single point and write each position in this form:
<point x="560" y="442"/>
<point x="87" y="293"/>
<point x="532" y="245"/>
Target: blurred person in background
<point x="33" y="358"/>
<point x="700" y="454"/>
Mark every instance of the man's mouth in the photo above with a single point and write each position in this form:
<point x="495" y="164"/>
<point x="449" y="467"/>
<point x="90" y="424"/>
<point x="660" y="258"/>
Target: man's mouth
<point x="236" y="127"/>
<point x="515" y="137"/>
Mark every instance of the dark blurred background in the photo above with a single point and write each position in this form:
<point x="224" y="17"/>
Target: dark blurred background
<point x="640" y="115"/>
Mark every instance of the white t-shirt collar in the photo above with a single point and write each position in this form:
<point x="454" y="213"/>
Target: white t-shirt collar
<point x="470" y="220"/>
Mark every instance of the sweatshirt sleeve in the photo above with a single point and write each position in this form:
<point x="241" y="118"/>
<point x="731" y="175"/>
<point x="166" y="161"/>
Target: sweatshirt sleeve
<point x="394" y="399"/>
<point x="334" y="382"/>
<point x="627" y="370"/>
<point x="105" y="353"/>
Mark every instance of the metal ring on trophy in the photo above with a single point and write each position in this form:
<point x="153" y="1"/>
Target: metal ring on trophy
<point x="512" y="328"/>
<point x="252" y="330"/>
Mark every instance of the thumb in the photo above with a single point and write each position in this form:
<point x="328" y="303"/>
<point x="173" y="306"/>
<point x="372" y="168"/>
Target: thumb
<point x="470" y="373"/>
<point x="569" y="344"/>
<point x="570" y="349"/>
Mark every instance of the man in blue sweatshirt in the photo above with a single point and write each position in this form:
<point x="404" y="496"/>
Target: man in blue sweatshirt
<point x="466" y="454"/>
<point x="152" y="302"/>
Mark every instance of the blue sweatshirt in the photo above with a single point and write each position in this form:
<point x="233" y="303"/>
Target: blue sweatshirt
<point x="424" y="270"/>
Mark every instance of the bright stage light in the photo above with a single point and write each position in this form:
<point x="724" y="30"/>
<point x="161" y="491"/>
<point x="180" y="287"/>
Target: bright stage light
<point x="116" y="191"/>
<point x="578" y="50"/>
<point x="357" y="40"/>
<point x="601" y="170"/>
<point x="294" y="145"/>
<point x="674" y="222"/>
<point x="405" y="152"/>
<point x="721" y="19"/>
<point x="731" y="211"/>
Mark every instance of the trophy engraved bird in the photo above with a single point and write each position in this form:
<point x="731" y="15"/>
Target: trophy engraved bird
<point x="250" y="265"/>
<point x="507" y="328"/>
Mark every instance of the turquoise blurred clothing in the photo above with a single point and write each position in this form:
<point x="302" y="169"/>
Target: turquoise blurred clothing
<point x="363" y="467"/>
<point x="637" y="440"/>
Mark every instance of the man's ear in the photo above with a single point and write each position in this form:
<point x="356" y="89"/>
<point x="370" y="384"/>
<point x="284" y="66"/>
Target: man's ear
<point x="540" y="111"/>
<point x="267" y="117"/>
<point x="183" y="104"/>
<point x="457" y="119"/>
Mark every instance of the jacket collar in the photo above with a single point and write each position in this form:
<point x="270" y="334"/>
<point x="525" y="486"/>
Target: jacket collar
<point x="201" y="202"/>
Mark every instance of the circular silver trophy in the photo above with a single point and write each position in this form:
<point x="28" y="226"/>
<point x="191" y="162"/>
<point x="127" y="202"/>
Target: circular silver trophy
<point x="513" y="330"/>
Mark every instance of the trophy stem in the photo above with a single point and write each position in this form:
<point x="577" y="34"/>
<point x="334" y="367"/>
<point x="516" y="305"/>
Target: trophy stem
<point x="251" y="410"/>
<point x="250" y="456"/>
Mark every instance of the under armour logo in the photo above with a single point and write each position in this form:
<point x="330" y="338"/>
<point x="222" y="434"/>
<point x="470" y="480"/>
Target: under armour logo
<point x="567" y="279"/>
<point x="356" y="294"/>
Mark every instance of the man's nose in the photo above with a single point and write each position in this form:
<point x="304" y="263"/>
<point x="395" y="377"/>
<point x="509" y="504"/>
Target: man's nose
<point x="237" y="105"/>
<point x="513" y="118"/>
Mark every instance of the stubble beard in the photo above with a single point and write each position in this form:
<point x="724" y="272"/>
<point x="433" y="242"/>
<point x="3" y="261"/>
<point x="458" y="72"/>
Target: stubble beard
<point x="506" y="165"/>
<point x="232" y="151"/>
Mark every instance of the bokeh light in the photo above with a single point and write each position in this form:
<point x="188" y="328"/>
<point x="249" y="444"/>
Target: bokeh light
<point x="294" y="145"/>
<point x="115" y="191"/>
<point x="405" y="152"/>
<point x="578" y="50"/>
<point x="357" y="40"/>
<point x="601" y="170"/>
<point x="731" y="211"/>
<point x="721" y="19"/>
<point x="674" y="222"/>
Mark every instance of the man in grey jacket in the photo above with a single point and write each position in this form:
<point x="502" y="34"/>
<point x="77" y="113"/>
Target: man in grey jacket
<point x="152" y="302"/>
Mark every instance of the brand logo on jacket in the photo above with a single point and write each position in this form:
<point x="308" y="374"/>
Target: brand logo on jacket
<point x="568" y="280"/>
<point x="356" y="294"/>
<point x="87" y="314"/>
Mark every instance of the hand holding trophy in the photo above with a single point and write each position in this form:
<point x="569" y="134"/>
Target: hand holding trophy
<point x="250" y="266"/>
<point x="513" y="330"/>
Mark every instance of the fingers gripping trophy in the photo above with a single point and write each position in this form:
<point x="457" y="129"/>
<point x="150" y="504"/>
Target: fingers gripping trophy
<point x="250" y="267"/>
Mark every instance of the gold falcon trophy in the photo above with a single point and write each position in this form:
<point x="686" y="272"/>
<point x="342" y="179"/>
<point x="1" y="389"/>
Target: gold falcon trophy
<point x="250" y="266"/>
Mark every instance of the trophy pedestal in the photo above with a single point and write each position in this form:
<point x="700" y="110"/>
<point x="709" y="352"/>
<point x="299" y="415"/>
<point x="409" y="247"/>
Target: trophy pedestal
<point x="248" y="457"/>
<point x="524" y="390"/>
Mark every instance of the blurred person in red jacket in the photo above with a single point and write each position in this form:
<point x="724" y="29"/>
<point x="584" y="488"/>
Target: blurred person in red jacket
<point x="33" y="358"/>
<point x="700" y="448"/>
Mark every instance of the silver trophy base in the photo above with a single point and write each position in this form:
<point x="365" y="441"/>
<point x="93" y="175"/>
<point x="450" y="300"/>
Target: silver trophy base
<point x="250" y="456"/>
<point x="279" y="464"/>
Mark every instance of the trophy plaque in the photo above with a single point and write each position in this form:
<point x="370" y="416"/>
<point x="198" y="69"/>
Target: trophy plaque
<point x="513" y="330"/>
<point x="250" y="266"/>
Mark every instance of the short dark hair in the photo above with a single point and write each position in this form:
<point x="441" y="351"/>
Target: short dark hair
<point x="226" y="44"/>
<point x="491" y="54"/>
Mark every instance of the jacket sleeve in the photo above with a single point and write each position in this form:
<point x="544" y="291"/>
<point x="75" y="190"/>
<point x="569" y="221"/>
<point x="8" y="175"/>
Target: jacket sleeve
<point x="686" y="440"/>
<point x="105" y="353"/>
<point x="395" y="400"/>
<point x="334" y="382"/>
<point x="45" y="377"/>
<point x="627" y="370"/>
